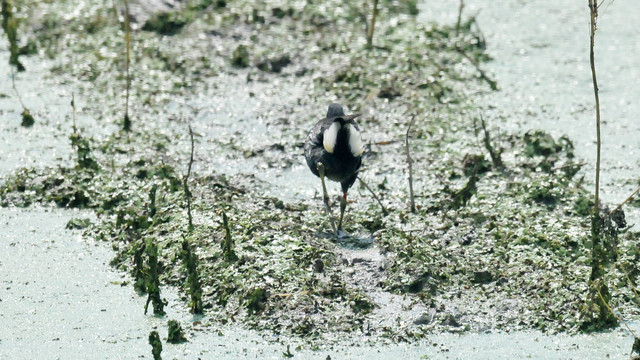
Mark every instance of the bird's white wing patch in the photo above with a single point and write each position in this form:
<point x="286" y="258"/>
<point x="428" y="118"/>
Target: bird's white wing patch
<point x="355" y="140"/>
<point x="330" y="137"/>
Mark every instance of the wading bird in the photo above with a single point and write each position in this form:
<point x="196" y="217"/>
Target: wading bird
<point x="334" y="150"/>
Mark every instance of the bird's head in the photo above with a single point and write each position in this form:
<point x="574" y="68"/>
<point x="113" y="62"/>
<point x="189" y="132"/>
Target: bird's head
<point x="335" y="109"/>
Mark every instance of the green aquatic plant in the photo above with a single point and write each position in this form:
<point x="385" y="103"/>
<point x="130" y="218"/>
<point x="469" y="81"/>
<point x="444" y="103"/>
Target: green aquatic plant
<point x="82" y="146"/>
<point x="10" y="26"/>
<point x="156" y="345"/>
<point x="27" y="118"/>
<point x="175" y="333"/>
<point x="165" y="23"/>
<point x="240" y="56"/>
<point x="227" y="243"/>
<point x="256" y="300"/>
<point x="190" y="263"/>
<point x="152" y="279"/>
<point x="140" y="283"/>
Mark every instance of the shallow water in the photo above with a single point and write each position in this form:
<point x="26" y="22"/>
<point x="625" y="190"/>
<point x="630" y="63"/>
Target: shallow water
<point x="61" y="297"/>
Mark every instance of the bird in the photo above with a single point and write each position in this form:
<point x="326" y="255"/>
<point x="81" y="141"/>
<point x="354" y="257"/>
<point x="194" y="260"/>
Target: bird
<point x="333" y="149"/>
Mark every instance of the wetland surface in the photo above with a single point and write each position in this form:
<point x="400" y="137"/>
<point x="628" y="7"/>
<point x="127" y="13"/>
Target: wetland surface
<point x="480" y="278"/>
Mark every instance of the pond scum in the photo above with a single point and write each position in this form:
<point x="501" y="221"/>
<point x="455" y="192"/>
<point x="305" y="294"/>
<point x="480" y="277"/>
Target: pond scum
<point x="500" y="236"/>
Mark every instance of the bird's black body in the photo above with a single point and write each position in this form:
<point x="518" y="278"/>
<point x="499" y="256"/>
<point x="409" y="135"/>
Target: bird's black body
<point x="341" y="165"/>
<point x="333" y="149"/>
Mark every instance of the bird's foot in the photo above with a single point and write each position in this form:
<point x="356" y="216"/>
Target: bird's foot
<point x="342" y="235"/>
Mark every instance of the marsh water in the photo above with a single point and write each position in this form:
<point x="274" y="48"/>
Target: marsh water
<point x="61" y="299"/>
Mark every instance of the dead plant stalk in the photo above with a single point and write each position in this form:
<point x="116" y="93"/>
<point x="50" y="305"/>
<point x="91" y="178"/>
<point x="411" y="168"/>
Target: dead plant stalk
<point x="409" y="161"/>
<point x="127" y="39"/>
<point x="373" y="24"/>
<point x="593" y="7"/>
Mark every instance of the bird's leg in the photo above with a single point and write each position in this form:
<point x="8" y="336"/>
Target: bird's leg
<point x="343" y="206"/>
<point x="321" y="172"/>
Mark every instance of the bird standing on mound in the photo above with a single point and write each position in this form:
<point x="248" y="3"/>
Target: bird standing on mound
<point x="334" y="150"/>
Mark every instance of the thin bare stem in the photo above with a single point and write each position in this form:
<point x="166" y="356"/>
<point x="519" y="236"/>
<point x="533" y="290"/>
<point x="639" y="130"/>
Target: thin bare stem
<point x="373" y="24"/>
<point x="495" y="155"/>
<point x="384" y="210"/>
<point x="492" y="83"/>
<point x="13" y="84"/>
<point x="593" y="6"/>
<point x="460" y="8"/>
<point x="192" y="151"/>
<point x="635" y="291"/>
<point x="613" y="313"/>
<point x="187" y="192"/>
<point x="409" y="161"/>
<point x="626" y="200"/>
<point x="580" y="164"/>
<point x="73" y="106"/>
<point x="127" y="39"/>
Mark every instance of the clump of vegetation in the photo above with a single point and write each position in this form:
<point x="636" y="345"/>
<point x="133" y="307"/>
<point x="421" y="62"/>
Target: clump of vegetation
<point x="83" y="152"/>
<point x="256" y="300"/>
<point x="140" y="283"/>
<point x="165" y="23"/>
<point x="176" y="335"/>
<point x="240" y="56"/>
<point x="152" y="279"/>
<point x="78" y="224"/>
<point x="10" y="26"/>
<point x="156" y="345"/>
<point x="605" y="229"/>
<point x="190" y="262"/>
<point x="227" y="243"/>
<point x="27" y="118"/>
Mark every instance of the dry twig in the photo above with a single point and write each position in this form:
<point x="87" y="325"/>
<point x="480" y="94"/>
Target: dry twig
<point x="409" y="161"/>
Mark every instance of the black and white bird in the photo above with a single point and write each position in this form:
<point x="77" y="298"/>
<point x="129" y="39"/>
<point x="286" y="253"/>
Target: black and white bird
<point x="334" y="150"/>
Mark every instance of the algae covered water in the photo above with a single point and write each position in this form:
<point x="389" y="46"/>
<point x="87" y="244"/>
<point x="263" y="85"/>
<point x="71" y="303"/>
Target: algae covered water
<point x="497" y="274"/>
